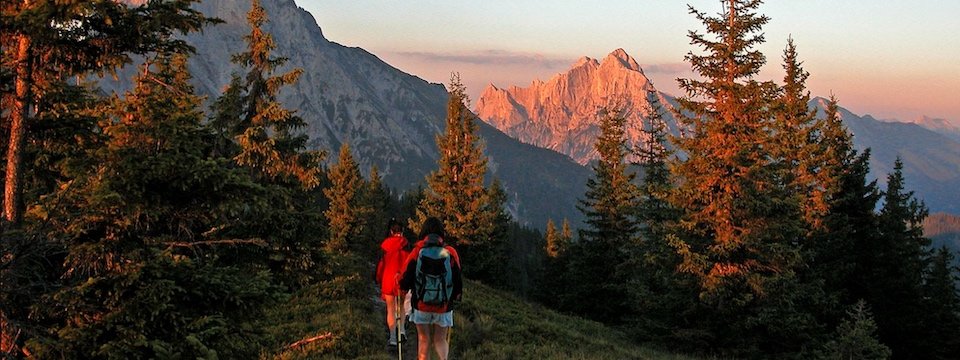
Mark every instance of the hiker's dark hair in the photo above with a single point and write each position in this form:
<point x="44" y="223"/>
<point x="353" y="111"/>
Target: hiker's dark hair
<point x="394" y="226"/>
<point x="432" y="225"/>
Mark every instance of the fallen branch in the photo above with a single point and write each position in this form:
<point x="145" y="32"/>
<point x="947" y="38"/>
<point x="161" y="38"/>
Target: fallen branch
<point x="309" y="340"/>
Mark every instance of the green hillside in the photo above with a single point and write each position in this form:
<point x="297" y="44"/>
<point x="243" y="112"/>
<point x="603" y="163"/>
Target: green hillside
<point x="489" y="325"/>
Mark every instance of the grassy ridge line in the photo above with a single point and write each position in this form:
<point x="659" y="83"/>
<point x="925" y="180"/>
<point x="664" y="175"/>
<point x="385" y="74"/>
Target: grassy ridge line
<point x="489" y="324"/>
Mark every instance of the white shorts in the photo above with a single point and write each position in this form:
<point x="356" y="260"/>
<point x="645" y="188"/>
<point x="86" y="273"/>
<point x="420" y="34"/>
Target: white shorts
<point x="425" y="318"/>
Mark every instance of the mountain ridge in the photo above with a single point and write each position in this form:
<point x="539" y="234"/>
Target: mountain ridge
<point x="560" y="113"/>
<point x="389" y="118"/>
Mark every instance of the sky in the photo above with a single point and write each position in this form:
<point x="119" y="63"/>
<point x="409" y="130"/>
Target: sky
<point x="893" y="59"/>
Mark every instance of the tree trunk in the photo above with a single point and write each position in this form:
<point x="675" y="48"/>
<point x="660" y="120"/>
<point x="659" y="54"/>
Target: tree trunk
<point x="12" y="191"/>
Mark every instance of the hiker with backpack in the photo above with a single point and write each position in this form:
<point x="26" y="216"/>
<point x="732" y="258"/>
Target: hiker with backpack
<point x="433" y="276"/>
<point x="389" y="269"/>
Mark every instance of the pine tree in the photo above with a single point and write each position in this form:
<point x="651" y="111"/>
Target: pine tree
<point x="249" y="112"/>
<point x="345" y="213"/>
<point x="143" y="225"/>
<point x="96" y="39"/>
<point x="856" y="338"/>
<point x="553" y="240"/>
<point x="898" y="262"/>
<point x="740" y="227"/>
<point x="566" y="234"/>
<point x="456" y="192"/>
<point x="609" y="208"/>
<point x="381" y="207"/>
<point x="796" y="142"/>
<point x="472" y="214"/>
<point x="941" y="304"/>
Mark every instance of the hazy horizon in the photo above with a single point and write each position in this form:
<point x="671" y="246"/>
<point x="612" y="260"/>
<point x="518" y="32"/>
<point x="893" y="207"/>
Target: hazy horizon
<point x="889" y="60"/>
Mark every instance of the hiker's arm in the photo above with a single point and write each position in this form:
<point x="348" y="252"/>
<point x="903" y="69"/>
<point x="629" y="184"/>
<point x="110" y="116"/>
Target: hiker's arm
<point x="406" y="281"/>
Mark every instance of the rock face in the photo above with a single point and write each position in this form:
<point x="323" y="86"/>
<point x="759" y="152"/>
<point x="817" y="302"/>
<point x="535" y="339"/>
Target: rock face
<point x="561" y="114"/>
<point x="389" y="118"/>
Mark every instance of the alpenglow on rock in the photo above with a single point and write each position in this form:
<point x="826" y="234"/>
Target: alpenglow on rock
<point x="561" y="114"/>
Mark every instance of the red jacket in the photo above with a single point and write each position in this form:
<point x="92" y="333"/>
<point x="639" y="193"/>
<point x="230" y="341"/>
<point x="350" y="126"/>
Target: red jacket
<point x="391" y="264"/>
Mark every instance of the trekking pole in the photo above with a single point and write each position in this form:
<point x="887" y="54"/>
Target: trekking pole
<point x="398" y="307"/>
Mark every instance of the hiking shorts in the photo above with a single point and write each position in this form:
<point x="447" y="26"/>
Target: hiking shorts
<point x="426" y="318"/>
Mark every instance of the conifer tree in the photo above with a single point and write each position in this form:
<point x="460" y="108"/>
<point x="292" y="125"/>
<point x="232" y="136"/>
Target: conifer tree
<point x="553" y="240"/>
<point x="609" y="208"/>
<point x="143" y="225"/>
<point x="740" y="227"/>
<point x="566" y="233"/>
<point x="345" y="212"/>
<point x="456" y="192"/>
<point x="472" y="214"/>
<point x="795" y="144"/>
<point x="856" y="338"/>
<point x="381" y="207"/>
<point x="46" y="50"/>
<point x="941" y="305"/>
<point x="249" y="112"/>
<point x="850" y="225"/>
<point x="654" y="210"/>
<point x="897" y="263"/>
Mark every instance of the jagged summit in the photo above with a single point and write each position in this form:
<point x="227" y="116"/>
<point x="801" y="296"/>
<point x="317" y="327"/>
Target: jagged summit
<point x="560" y="113"/>
<point x="620" y="56"/>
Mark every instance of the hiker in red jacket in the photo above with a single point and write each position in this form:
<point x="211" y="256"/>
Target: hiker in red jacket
<point x="432" y="274"/>
<point x="389" y="270"/>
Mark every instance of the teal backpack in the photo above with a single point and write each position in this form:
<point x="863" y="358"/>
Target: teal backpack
<point x="434" y="275"/>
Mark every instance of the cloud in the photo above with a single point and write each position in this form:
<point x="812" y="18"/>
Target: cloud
<point x="488" y="57"/>
<point x="667" y="68"/>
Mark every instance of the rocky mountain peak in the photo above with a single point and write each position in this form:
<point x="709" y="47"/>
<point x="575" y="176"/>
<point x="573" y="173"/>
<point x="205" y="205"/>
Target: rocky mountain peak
<point x="561" y="113"/>
<point x="620" y="56"/>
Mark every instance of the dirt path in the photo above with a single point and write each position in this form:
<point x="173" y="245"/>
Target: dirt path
<point x="409" y="347"/>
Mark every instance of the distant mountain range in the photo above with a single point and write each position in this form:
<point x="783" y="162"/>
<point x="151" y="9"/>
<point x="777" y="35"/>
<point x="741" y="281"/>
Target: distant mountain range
<point x="560" y="114"/>
<point x="943" y="126"/>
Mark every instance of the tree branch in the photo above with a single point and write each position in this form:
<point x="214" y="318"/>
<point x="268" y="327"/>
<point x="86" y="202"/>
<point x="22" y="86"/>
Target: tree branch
<point x="309" y="340"/>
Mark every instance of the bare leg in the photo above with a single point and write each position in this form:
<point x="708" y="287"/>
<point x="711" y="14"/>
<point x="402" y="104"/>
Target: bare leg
<point x="391" y="315"/>
<point x="423" y="341"/>
<point x="440" y="341"/>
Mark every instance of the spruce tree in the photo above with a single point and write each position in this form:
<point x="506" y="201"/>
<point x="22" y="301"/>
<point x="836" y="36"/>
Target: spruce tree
<point x="740" y="226"/>
<point x="609" y="208"/>
<point x="552" y="237"/>
<point x="266" y="133"/>
<point x="566" y="233"/>
<point x="264" y="138"/>
<point x="898" y="262"/>
<point x="144" y="227"/>
<point x="456" y="193"/>
<point x="46" y="50"/>
<point x="796" y="140"/>
<point x="345" y="213"/>
<point x="381" y="207"/>
<point x="941" y="306"/>
<point x="850" y="225"/>
<point x="856" y="338"/>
